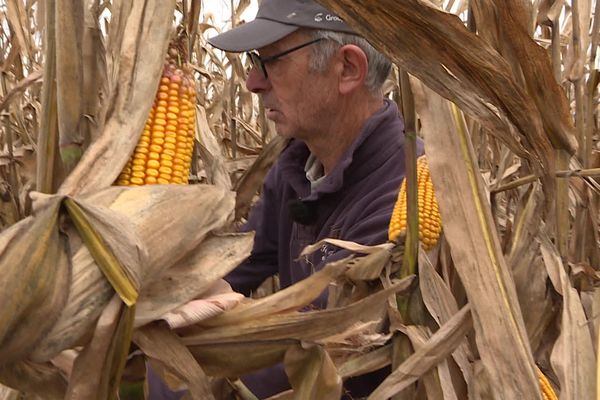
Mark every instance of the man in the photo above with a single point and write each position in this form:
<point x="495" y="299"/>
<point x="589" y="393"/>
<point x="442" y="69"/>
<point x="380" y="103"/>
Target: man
<point x="321" y="85"/>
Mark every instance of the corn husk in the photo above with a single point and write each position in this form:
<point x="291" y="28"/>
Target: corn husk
<point x="132" y="225"/>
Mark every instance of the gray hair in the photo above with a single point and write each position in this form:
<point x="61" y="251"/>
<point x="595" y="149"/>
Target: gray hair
<point x="379" y="65"/>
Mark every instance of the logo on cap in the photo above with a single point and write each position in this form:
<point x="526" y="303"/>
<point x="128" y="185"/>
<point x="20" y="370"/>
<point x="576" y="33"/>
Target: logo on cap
<point x="329" y="17"/>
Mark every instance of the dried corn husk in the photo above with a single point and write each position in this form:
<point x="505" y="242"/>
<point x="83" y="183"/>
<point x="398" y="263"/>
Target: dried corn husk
<point x="61" y="289"/>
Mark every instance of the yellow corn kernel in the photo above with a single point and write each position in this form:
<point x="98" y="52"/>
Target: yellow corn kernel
<point x="165" y="170"/>
<point x="158" y="141"/>
<point x="163" y="153"/>
<point x="153" y="164"/>
<point x="430" y="225"/>
<point x="152" y="172"/>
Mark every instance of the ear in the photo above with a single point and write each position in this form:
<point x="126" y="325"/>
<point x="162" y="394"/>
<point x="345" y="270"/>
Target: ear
<point x="354" y="69"/>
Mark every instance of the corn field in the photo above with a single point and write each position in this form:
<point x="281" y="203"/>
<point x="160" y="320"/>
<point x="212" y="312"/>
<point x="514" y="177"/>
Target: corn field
<point x="505" y="96"/>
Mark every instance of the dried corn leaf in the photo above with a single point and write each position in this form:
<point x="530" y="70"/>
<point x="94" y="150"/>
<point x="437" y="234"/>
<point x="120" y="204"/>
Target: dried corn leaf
<point x="512" y="19"/>
<point x="573" y="354"/>
<point x="430" y="380"/>
<point x="239" y="358"/>
<point x="49" y="171"/>
<point x="442" y="305"/>
<point x="43" y="380"/>
<point x="369" y="267"/>
<point x="250" y="182"/>
<point x="239" y="10"/>
<point x="365" y="363"/>
<point x="240" y="348"/>
<point x="591" y="304"/>
<point x="17" y="19"/>
<point x="539" y="309"/>
<point x="69" y="79"/>
<point x="344" y="244"/>
<point x="150" y="209"/>
<point x="191" y="277"/>
<point x="7" y="393"/>
<point x="210" y="152"/>
<point x="119" y="264"/>
<point x="88" y="293"/>
<point x="526" y="226"/>
<point x="475" y="248"/>
<point x="450" y="389"/>
<point x="35" y="271"/>
<point x="287" y="395"/>
<point x="95" y="77"/>
<point x="163" y="346"/>
<point x="33" y="78"/>
<point x="308" y="326"/>
<point x="576" y="61"/>
<point x="481" y="388"/>
<point x="549" y="10"/>
<point x="193" y="16"/>
<point x="290" y="298"/>
<point x="436" y="349"/>
<point x="358" y="339"/>
<point x="93" y="374"/>
<point x="528" y="270"/>
<point x="311" y="373"/>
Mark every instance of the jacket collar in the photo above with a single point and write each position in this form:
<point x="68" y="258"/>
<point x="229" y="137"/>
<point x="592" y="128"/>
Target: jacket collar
<point x="384" y="131"/>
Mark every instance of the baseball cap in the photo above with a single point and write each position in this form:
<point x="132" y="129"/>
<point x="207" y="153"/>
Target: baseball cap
<point x="276" y="19"/>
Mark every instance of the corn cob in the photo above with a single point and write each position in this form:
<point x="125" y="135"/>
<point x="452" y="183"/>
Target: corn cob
<point x="547" y="390"/>
<point x="164" y="152"/>
<point x="430" y="225"/>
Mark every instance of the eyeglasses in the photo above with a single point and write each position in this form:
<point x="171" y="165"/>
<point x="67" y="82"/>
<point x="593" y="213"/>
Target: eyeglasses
<point x="259" y="62"/>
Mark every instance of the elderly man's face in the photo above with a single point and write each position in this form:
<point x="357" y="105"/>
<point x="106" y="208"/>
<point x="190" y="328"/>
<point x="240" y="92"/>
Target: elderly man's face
<point x="298" y="100"/>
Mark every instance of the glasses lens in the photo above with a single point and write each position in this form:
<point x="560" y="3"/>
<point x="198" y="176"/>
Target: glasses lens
<point x="257" y="63"/>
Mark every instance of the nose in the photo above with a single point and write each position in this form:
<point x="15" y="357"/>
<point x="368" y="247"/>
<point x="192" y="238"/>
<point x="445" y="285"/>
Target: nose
<point x="256" y="82"/>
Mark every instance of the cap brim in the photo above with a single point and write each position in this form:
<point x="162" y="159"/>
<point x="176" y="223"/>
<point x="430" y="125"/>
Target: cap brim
<point x="252" y="35"/>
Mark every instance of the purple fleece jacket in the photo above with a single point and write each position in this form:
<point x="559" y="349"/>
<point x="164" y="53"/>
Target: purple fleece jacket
<point x="354" y="202"/>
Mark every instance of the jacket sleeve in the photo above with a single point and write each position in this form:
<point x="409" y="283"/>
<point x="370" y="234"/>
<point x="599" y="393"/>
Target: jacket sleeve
<point x="262" y="262"/>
